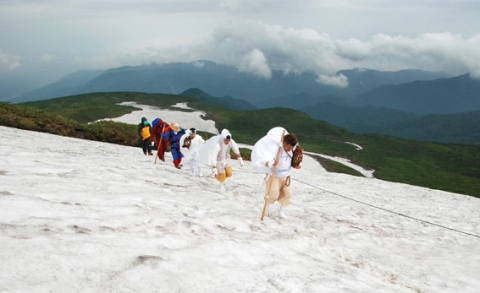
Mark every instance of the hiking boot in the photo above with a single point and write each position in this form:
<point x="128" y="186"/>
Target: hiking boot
<point x="281" y="213"/>
<point x="150" y="154"/>
<point x="178" y="167"/>
<point x="145" y="154"/>
<point x="163" y="160"/>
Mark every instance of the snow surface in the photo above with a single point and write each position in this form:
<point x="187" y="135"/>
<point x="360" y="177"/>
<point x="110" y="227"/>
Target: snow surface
<point x="359" y="147"/>
<point x="85" y="216"/>
<point x="346" y="162"/>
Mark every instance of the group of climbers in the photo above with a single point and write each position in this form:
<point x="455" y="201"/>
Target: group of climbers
<point x="215" y="153"/>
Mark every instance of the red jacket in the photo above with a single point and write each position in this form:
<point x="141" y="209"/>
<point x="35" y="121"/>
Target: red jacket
<point x="157" y="129"/>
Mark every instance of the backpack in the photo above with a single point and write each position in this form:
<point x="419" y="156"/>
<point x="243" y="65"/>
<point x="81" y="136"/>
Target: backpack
<point x="297" y="156"/>
<point x="145" y="132"/>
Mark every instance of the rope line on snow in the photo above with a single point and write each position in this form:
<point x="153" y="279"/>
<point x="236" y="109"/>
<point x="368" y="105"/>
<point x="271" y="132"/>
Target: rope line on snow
<point x="374" y="206"/>
<point x="386" y="210"/>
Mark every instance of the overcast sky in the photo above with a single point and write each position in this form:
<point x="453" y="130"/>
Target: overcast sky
<point x="47" y="39"/>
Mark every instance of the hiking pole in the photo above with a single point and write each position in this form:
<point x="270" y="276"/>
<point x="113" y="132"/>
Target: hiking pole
<point x="160" y="143"/>
<point x="273" y="175"/>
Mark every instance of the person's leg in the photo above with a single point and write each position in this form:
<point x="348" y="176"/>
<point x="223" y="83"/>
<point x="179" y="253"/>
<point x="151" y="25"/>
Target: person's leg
<point x="163" y="148"/>
<point x="274" y="191"/>
<point x="192" y="166"/>
<point x="221" y="177"/>
<point x="149" y="146"/>
<point x="228" y="171"/>
<point x="144" y="146"/>
<point x="176" y="156"/>
<point x="285" y="198"/>
<point x="176" y="162"/>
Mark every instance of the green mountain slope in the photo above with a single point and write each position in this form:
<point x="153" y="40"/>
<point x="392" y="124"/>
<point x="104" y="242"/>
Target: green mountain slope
<point x="449" y="167"/>
<point x="227" y="102"/>
<point x="448" y="128"/>
<point x="440" y="96"/>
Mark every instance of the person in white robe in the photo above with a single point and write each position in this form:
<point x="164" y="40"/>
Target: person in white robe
<point x="191" y="153"/>
<point x="216" y="154"/>
<point x="264" y="155"/>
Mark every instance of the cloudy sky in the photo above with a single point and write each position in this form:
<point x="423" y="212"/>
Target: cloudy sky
<point x="45" y="40"/>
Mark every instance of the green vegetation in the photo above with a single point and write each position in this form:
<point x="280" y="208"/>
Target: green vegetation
<point x="35" y="119"/>
<point x="92" y="107"/>
<point x="244" y="152"/>
<point x="113" y="132"/>
<point x="448" y="167"/>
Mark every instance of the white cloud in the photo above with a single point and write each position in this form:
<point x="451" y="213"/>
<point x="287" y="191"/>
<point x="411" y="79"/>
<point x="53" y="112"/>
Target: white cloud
<point x="306" y="49"/>
<point x="258" y="48"/>
<point x="48" y="58"/>
<point x="8" y="61"/>
<point x="198" y="63"/>
<point x="255" y="62"/>
<point x="335" y="80"/>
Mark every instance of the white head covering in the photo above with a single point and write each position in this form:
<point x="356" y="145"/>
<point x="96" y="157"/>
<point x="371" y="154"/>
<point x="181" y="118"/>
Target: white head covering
<point x="265" y="150"/>
<point x="224" y="134"/>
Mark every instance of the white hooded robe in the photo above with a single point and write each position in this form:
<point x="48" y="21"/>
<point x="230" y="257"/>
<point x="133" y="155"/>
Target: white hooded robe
<point x="266" y="149"/>
<point x="214" y="151"/>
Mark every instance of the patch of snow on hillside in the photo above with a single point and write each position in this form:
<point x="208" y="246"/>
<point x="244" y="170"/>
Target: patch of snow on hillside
<point x="359" y="148"/>
<point x="346" y="162"/>
<point x="185" y="119"/>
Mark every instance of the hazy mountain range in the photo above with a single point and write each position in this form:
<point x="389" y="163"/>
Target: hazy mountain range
<point x="219" y="81"/>
<point x="400" y="103"/>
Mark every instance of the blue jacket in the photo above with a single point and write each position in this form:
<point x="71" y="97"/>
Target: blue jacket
<point x="174" y="142"/>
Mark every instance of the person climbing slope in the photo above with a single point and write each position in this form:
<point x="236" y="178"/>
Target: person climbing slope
<point x="174" y="135"/>
<point x="144" y="132"/>
<point x="160" y="127"/>
<point x="268" y="154"/>
<point x="216" y="153"/>
<point x="191" y="142"/>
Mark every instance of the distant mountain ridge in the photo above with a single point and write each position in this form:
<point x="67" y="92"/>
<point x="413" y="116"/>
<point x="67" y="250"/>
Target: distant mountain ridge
<point x="441" y="96"/>
<point x="226" y="102"/>
<point x="220" y="80"/>
<point x="446" y="128"/>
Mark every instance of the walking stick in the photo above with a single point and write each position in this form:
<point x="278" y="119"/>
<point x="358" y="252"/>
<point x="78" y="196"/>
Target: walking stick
<point x="273" y="175"/>
<point x="158" y="148"/>
<point x="206" y="134"/>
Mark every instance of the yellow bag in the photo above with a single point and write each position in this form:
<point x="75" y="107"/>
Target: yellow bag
<point x="145" y="132"/>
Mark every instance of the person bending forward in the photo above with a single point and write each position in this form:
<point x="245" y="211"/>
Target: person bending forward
<point x="216" y="153"/>
<point x="264" y="158"/>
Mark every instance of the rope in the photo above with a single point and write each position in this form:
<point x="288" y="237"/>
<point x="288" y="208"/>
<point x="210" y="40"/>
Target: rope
<point x="399" y="214"/>
<point x="376" y="207"/>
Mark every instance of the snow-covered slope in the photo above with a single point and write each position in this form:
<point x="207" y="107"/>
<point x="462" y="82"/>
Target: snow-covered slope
<point x="84" y="216"/>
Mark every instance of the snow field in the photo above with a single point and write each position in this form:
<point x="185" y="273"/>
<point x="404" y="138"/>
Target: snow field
<point x="84" y="216"/>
